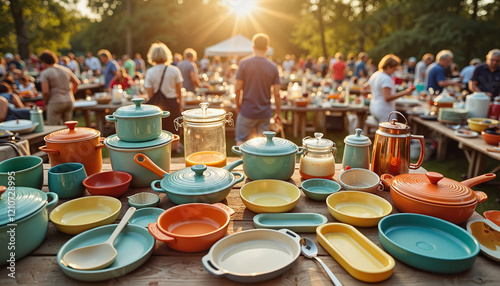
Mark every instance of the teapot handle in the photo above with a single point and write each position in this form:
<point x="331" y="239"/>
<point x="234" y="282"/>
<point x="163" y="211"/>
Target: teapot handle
<point x="420" y="138"/>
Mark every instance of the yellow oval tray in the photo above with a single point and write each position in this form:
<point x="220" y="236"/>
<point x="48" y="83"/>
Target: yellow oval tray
<point x="358" y="255"/>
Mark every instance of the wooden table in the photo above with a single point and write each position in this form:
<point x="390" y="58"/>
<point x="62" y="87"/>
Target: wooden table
<point x="100" y="110"/>
<point x="169" y="267"/>
<point x="474" y="148"/>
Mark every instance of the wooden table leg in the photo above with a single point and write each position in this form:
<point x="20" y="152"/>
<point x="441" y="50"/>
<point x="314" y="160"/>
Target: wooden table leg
<point x="442" y="146"/>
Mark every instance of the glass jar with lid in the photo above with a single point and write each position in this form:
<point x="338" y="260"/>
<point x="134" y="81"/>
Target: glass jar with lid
<point x="204" y="135"/>
<point x="318" y="160"/>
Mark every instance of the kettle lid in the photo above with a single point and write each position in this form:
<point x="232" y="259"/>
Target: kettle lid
<point x="394" y="126"/>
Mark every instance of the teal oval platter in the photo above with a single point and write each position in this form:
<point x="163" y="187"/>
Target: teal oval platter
<point x="428" y="243"/>
<point x="143" y="217"/>
<point x="134" y="246"/>
<point x="297" y="222"/>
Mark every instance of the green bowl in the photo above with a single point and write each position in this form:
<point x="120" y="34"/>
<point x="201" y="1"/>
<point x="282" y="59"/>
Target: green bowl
<point x="319" y="189"/>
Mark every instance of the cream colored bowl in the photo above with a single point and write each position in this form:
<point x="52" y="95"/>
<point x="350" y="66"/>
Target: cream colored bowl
<point x="269" y="196"/>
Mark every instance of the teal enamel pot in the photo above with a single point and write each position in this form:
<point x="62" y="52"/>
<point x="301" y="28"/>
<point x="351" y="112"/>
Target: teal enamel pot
<point x="138" y="122"/>
<point x="195" y="184"/>
<point x="268" y="157"/>
<point x="121" y="154"/>
<point x="23" y="171"/>
<point x="30" y="220"/>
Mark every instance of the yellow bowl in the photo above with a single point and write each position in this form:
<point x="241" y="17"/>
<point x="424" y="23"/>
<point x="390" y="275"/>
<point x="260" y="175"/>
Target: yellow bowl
<point x="82" y="214"/>
<point x="358" y="208"/>
<point x="269" y="196"/>
<point x="479" y="124"/>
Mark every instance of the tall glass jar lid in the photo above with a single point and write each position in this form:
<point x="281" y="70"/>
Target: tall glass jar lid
<point x="204" y="114"/>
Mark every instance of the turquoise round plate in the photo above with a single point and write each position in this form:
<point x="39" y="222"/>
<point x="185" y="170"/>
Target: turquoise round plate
<point x="134" y="246"/>
<point x="428" y="243"/>
<point x="143" y="217"/>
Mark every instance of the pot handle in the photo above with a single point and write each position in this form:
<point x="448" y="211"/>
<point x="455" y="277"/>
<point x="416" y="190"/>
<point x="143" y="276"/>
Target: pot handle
<point x="422" y="151"/>
<point x="241" y="177"/>
<point x="478" y="180"/>
<point x="153" y="186"/>
<point x="225" y="208"/>
<point x="176" y="138"/>
<point x="165" y="114"/>
<point x="158" y="234"/>
<point x="48" y="151"/>
<point x="110" y="118"/>
<point x="236" y="150"/>
<point x="233" y="165"/>
<point x="481" y="196"/>
<point x="147" y="163"/>
<point x="210" y="267"/>
<point x="386" y="181"/>
<point x="99" y="146"/>
<point x="54" y="199"/>
<point x="300" y="151"/>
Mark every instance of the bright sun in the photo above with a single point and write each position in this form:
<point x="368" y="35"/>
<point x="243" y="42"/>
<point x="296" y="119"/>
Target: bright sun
<point x="242" y="7"/>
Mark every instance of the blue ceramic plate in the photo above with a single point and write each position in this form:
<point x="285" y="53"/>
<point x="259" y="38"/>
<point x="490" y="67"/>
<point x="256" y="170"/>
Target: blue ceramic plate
<point x="298" y="222"/>
<point x="143" y="217"/>
<point x="134" y="245"/>
<point x="428" y="243"/>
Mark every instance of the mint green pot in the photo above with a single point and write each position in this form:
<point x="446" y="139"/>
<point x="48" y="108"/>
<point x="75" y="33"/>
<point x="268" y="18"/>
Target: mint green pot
<point x="25" y="171"/>
<point x="31" y="226"/>
<point x="138" y="122"/>
<point x="268" y="157"/>
<point x="356" y="151"/>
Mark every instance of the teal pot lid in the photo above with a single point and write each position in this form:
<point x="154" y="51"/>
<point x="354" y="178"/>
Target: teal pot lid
<point x="137" y="110"/>
<point x="113" y="141"/>
<point x="269" y="146"/>
<point x="23" y="203"/>
<point x="197" y="180"/>
<point x="357" y="139"/>
<point x="204" y="114"/>
<point x="317" y="142"/>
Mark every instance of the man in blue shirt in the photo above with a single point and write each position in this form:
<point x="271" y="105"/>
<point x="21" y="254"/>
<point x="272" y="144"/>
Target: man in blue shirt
<point x="466" y="73"/>
<point x="110" y="67"/>
<point x="436" y="80"/>
<point x="486" y="76"/>
<point x="255" y="77"/>
<point x="360" y="68"/>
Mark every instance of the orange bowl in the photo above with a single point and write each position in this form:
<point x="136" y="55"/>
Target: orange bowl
<point x="492" y="139"/>
<point x="301" y="103"/>
<point x="493" y="215"/>
<point x="112" y="183"/>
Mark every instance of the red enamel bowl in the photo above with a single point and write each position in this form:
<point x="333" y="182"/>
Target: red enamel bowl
<point x="112" y="183"/>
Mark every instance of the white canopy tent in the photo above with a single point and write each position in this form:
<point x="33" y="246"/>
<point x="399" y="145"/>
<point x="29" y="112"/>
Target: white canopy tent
<point x="237" y="45"/>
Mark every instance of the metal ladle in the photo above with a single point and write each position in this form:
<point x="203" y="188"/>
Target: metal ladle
<point x="96" y="256"/>
<point x="310" y="250"/>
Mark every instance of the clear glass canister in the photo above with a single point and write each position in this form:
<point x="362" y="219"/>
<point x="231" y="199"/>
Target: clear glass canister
<point x="204" y="135"/>
<point x="318" y="160"/>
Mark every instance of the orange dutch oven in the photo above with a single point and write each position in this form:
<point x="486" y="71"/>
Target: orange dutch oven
<point x="434" y="195"/>
<point x="75" y="144"/>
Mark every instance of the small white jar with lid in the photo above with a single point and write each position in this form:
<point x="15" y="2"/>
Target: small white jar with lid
<point x="318" y="159"/>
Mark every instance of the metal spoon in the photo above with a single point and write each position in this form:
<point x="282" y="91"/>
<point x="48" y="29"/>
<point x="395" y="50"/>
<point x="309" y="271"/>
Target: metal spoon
<point x="310" y="250"/>
<point x="96" y="256"/>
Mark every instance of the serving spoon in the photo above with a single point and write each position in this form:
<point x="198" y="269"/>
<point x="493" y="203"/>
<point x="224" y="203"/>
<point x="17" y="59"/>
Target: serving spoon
<point x="310" y="250"/>
<point x="96" y="256"/>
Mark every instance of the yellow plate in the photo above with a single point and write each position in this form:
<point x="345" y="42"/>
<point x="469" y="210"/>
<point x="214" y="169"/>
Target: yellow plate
<point x="358" y="208"/>
<point x="357" y="254"/>
<point x="82" y="214"/>
<point x="269" y="196"/>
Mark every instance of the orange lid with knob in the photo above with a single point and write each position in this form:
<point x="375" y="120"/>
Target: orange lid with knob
<point x="72" y="134"/>
<point x="433" y="187"/>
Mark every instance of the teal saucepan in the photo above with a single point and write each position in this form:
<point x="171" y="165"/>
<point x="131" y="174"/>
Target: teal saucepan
<point x="428" y="243"/>
<point x="268" y="157"/>
<point x="195" y="184"/>
<point x="23" y="171"/>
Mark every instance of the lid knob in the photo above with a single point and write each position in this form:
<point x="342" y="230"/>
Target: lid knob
<point x="2" y="190"/>
<point x="137" y="101"/>
<point x="358" y="132"/>
<point x="204" y="107"/>
<point x="71" y="124"/>
<point x="434" y="177"/>
<point x="318" y="136"/>
<point x="269" y="135"/>
<point x="199" y="169"/>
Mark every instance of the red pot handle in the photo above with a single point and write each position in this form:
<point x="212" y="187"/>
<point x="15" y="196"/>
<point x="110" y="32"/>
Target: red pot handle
<point x="478" y="180"/>
<point x="481" y="196"/>
<point x="225" y="208"/>
<point x="176" y="138"/>
<point x="386" y="181"/>
<point x="48" y="151"/>
<point x="158" y="234"/>
<point x="99" y="146"/>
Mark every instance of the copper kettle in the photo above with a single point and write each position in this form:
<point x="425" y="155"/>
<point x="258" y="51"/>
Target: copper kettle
<point x="391" y="148"/>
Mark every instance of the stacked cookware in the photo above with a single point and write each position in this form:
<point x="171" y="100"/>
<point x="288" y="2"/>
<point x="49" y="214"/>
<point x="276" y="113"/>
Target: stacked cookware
<point x="138" y="130"/>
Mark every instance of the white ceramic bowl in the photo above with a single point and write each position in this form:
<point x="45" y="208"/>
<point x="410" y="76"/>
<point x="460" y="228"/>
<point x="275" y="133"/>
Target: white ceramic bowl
<point x="358" y="179"/>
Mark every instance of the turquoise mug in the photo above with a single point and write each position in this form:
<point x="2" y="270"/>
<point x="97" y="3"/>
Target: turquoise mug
<point x="22" y="171"/>
<point x="66" y="180"/>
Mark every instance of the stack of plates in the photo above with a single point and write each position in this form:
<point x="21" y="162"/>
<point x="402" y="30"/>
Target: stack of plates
<point x="452" y="115"/>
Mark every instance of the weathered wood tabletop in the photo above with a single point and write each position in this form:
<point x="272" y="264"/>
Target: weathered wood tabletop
<point x="169" y="267"/>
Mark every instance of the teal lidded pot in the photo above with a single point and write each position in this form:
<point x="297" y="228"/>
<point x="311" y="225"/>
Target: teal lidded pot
<point x="28" y="226"/>
<point x="138" y="122"/>
<point x="268" y="157"/>
<point x="357" y="151"/>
